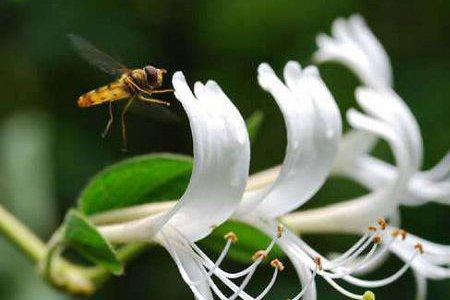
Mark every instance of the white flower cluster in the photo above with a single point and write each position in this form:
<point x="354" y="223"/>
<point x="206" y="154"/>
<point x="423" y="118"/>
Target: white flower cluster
<point x="220" y="187"/>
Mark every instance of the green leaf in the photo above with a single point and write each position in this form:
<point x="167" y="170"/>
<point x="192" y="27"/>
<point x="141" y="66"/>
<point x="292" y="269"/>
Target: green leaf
<point x="80" y="234"/>
<point x="249" y="241"/>
<point x="138" y="180"/>
<point x="254" y="123"/>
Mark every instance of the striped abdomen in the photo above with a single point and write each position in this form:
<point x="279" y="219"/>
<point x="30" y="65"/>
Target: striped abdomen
<point x="111" y="92"/>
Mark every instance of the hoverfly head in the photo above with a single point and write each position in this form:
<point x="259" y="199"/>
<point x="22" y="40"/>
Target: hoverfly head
<point x="154" y="76"/>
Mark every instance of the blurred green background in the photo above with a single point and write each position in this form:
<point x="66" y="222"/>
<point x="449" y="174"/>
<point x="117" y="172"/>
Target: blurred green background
<point x="50" y="148"/>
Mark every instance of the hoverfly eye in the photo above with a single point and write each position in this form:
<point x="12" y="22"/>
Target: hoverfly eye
<point x="152" y="74"/>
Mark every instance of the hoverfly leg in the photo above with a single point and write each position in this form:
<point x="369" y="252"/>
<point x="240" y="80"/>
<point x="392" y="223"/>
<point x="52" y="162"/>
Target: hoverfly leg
<point x="162" y="91"/>
<point x="142" y="91"/>
<point x="110" y="121"/>
<point x="124" y="129"/>
<point x="151" y="100"/>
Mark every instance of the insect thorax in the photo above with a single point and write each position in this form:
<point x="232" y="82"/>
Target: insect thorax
<point x="147" y="78"/>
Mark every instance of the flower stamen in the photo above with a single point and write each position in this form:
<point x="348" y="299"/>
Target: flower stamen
<point x="259" y="255"/>
<point x="355" y="267"/>
<point x="280" y="229"/>
<point x="377" y="239"/>
<point x="277" y="264"/>
<point x="372" y="228"/>
<point x="231" y="236"/>
<point x="318" y="262"/>
<point x="419" y="247"/>
<point x="343" y="291"/>
<point x="383" y="223"/>
<point x="390" y="279"/>
<point x="399" y="232"/>
<point x="357" y="249"/>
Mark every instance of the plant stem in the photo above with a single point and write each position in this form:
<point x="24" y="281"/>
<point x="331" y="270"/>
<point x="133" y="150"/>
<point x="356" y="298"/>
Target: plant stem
<point x="131" y="213"/>
<point x="72" y="278"/>
<point x="84" y="281"/>
<point x="21" y="236"/>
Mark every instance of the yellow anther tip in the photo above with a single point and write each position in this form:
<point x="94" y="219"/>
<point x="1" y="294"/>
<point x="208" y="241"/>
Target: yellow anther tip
<point x="276" y="263"/>
<point x="280" y="229"/>
<point x="368" y="295"/>
<point x="372" y="228"/>
<point x="399" y="232"/>
<point x="377" y="239"/>
<point x="260" y="254"/>
<point x="318" y="262"/>
<point x="383" y="224"/>
<point x="419" y="247"/>
<point x="231" y="236"/>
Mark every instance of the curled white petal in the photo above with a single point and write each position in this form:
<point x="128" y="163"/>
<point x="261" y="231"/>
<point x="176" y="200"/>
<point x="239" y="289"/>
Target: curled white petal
<point x="354" y="145"/>
<point x="393" y="137"/>
<point x="374" y="174"/>
<point x="313" y="126"/>
<point x="221" y="157"/>
<point x="389" y="107"/>
<point x="221" y="163"/>
<point x="354" y="45"/>
<point x="440" y="171"/>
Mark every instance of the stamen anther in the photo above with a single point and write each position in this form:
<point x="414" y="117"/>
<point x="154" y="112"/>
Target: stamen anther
<point x="383" y="224"/>
<point x="372" y="228"/>
<point x="368" y="295"/>
<point x="280" y="229"/>
<point x="419" y="247"/>
<point x="377" y="239"/>
<point x="231" y="236"/>
<point x="276" y="263"/>
<point x="260" y="254"/>
<point x="318" y="262"/>
<point x="396" y="232"/>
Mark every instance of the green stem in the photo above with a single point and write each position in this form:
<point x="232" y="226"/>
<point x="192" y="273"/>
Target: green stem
<point x="21" y="236"/>
<point x="72" y="278"/>
<point x="84" y="281"/>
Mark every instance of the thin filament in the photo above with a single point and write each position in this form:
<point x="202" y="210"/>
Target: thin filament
<point x="269" y="286"/>
<point x="350" y="270"/>
<point x="305" y="288"/>
<point x="341" y="290"/>
<point x="351" y="249"/>
<point x="385" y="281"/>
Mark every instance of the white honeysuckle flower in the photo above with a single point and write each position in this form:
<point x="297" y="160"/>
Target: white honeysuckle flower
<point x="304" y="98"/>
<point x="354" y="159"/>
<point x="220" y="173"/>
<point x="313" y="121"/>
<point x="221" y="163"/>
<point x="379" y="120"/>
<point x="354" y="45"/>
<point x="314" y="146"/>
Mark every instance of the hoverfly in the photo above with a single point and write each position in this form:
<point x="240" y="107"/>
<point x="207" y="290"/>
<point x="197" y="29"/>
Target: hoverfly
<point x="131" y="84"/>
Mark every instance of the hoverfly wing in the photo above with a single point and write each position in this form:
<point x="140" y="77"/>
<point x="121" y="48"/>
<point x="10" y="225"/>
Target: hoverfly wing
<point x="96" y="57"/>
